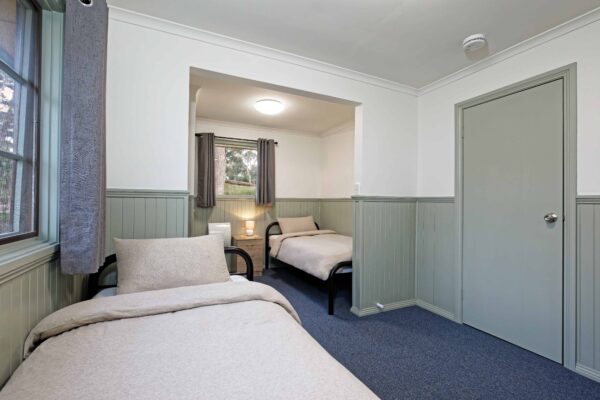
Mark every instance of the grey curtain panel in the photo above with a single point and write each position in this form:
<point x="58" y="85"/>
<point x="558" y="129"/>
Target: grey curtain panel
<point x="205" y="196"/>
<point x="265" y="182"/>
<point x="83" y="179"/>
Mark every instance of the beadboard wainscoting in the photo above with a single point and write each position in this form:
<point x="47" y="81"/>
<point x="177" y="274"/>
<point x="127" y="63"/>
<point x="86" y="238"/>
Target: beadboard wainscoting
<point x="588" y="286"/>
<point x="145" y="214"/>
<point x="336" y="214"/>
<point x="25" y="299"/>
<point x="384" y="254"/>
<point x="435" y="255"/>
<point x="237" y="210"/>
<point x="333" y="214"/>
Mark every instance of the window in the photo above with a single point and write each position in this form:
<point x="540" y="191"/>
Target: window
<point x="235" y="168"/>
<point x="19" y="58"/>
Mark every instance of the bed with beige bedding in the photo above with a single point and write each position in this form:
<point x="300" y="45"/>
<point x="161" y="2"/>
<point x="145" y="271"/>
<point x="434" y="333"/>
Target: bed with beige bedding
<point x="226" y="340"/>
<point x="321" y="253"/>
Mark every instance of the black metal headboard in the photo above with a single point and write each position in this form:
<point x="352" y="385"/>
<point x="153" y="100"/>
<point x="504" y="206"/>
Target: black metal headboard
<point x="267" y="235"/>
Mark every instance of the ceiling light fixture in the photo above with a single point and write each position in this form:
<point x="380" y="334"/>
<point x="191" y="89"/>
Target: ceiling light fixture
<point x="269" y="106"/>
<point x="474" y="42"/>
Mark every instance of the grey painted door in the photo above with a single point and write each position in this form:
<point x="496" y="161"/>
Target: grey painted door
<point x="512" y="257"/>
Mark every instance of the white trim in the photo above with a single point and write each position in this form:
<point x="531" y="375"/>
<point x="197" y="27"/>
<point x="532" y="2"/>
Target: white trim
<point x="436" y="310"/>
<point x="588" y="372"/>
<point x="188" y="32"/>
<point x="387" y="307"/>
<point x="521" y="47"/>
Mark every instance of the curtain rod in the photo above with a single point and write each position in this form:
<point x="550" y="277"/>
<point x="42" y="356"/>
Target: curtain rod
<point x="232" y="138"/>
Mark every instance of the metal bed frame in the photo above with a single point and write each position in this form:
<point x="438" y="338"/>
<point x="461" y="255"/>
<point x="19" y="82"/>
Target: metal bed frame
<point x="330" y="282"/>
<point x="93" y="286"/>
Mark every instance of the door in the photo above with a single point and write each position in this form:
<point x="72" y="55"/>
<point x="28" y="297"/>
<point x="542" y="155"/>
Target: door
<point x="513" y="218"/>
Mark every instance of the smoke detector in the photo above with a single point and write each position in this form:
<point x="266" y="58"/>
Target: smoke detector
<point x="474" y="42"/>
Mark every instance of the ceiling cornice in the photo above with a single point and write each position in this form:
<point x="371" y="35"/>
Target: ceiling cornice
<point x="528" y="44"/>
<point x="174" y="28"/>
<point x="170" y="27"/>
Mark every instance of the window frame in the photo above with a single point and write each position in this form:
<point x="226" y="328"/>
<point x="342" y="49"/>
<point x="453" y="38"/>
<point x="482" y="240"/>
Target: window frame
<point x="240" y="144"/>
<point x="36" y="104"/>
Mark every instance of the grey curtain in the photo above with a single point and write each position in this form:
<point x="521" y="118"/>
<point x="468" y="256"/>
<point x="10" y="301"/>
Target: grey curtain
<point x="205" y="196"/>
<point x="265" y="180"/>
<point x="83" y="179"/>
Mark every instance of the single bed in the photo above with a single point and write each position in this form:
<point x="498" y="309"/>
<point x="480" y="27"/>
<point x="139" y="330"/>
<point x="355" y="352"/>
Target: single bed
<point x="323" y="254"/>
<point x="228" y="340"/>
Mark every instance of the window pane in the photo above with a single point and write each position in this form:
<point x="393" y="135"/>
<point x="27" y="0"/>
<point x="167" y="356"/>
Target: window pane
<point x="16" y="34"/>
<point x="7" y="195"/>
<point x="9" y="122"/>
<point x="19" y="54"/>
<point x="236" y="170"/>
<point x="8" y="31"/>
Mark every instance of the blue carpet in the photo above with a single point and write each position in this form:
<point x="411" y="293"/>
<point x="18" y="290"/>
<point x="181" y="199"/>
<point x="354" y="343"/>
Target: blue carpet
<point x="413" y="354"/>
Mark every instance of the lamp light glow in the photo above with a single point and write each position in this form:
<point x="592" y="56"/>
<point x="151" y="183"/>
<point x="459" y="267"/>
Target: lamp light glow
<point x="249" y="226"/>
<point x="269" y="106"/>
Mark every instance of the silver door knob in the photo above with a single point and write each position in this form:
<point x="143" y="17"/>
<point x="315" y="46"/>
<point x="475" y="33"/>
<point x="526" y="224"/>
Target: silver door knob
<point x="550" y="217"/>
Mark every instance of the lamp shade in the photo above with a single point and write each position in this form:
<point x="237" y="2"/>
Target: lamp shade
<point x="249" y="226"/>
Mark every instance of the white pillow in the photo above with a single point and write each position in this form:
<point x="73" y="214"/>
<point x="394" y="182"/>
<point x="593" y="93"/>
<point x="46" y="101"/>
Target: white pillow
<point x="301" y="224"/>
<point x="153" y="264"/>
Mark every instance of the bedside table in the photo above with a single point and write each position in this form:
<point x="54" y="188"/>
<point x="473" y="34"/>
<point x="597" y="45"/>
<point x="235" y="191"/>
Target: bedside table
<point x="255" y="247"/>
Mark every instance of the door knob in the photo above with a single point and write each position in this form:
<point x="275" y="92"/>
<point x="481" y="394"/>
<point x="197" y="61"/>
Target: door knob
<point x="550" y="217"/>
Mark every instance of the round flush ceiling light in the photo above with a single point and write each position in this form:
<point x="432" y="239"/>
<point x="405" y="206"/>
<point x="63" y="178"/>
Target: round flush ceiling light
<point x="269" y="106"/>
<point x="474" y="42"/>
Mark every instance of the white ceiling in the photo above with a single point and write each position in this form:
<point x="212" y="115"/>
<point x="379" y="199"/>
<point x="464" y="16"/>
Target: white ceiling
<point x="232" y="100"/>
<point x="413" y="42"/>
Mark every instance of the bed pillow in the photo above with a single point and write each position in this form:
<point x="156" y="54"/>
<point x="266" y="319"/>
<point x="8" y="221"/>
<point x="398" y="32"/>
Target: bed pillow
<point x="153" y="264"/>
<point x="301" y="224"/>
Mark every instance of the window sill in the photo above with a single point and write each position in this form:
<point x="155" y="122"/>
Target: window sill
<point x="18" y="258"/>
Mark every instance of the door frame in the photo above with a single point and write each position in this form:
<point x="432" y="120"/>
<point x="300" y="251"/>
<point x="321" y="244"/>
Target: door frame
<point x="569" y="76"/>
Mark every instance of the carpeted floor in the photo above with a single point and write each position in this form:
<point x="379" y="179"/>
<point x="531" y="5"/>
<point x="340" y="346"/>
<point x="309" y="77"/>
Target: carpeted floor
<point x="413" y="354"/>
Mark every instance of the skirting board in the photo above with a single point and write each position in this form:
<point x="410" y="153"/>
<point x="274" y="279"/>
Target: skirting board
<point x="435" y="309"/>
<point x="387" y="307"/>
<point x="588" y="372"/>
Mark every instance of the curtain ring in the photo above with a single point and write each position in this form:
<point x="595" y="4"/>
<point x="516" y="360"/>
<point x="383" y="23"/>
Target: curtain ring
<point x="87" y="3"/>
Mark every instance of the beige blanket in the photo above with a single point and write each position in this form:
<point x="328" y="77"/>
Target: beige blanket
<point x="314" y="252"/>
<point x="233" y="340"/>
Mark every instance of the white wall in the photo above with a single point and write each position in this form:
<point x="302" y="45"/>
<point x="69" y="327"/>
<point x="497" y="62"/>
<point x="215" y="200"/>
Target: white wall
<point x="297" y="156"/>
<point x="337" y="159"/>
<point x="436" y="107"/>
<point x="148" y="71"/>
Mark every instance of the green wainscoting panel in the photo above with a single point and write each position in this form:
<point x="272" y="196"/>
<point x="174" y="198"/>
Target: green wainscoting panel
<point x="145" y="214"/>
<point x="336" y="214"/>
<point x="384" y="253"/>
<point x="25" y="300"/>
<point x="237" y="210"/>
<point x="588" y="286"/>
<point x="435" y="255"/>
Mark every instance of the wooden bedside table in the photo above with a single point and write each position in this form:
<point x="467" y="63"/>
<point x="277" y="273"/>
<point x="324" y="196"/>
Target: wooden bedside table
<point x="255" y="247"/>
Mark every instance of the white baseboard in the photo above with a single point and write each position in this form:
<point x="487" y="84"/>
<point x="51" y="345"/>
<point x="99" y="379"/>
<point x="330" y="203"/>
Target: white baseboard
<point x="588" y="372"/>
<point x="435" y="309"/>
<point x="387" y="307"/>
